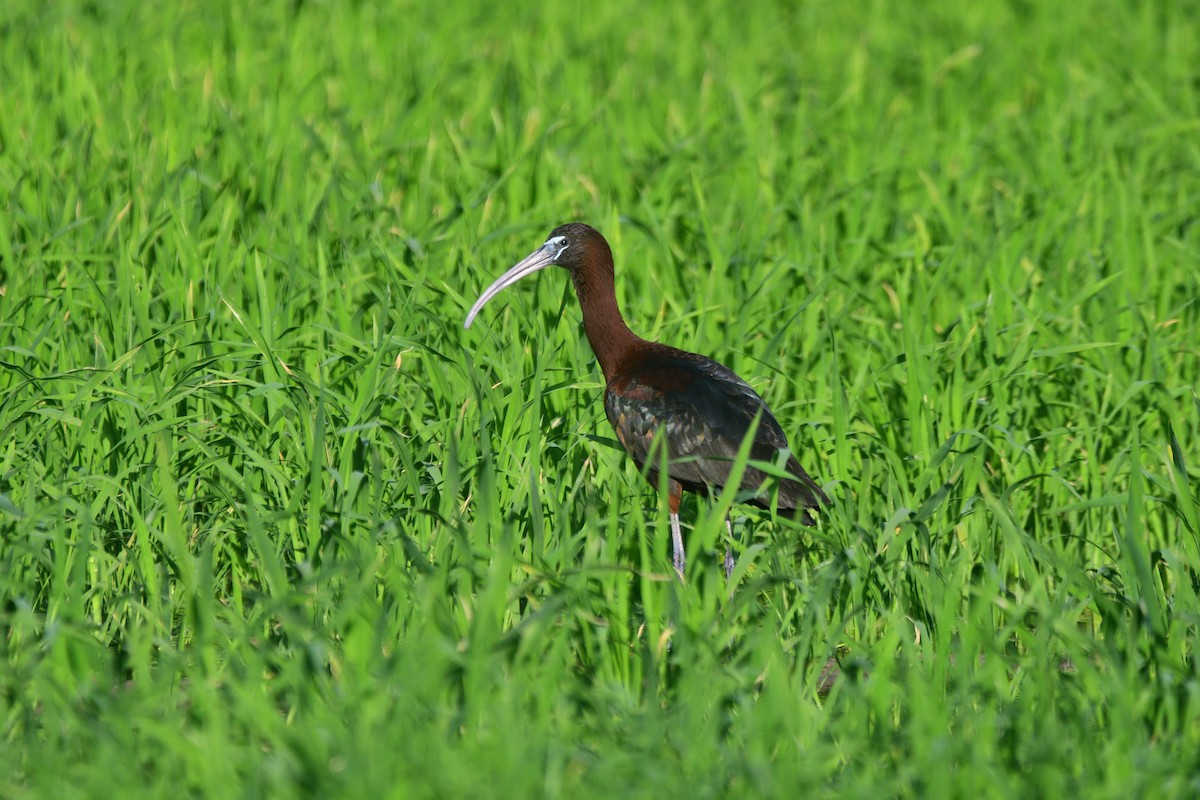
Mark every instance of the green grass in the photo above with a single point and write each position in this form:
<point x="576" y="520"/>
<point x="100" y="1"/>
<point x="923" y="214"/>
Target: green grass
<point x="272" y="524"/>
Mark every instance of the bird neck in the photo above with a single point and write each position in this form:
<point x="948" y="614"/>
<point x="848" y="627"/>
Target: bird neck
<point x="607" y="333"/>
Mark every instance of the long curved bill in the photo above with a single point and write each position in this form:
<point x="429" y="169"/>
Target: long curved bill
<point x="539" y="259"/>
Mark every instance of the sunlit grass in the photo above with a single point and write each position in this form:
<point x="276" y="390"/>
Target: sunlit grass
<point x="272" y="523"/>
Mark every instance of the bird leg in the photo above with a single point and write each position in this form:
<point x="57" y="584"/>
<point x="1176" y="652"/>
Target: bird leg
<point x="674" y="495"/>
<point x="729" y="550"/>
<point x="677" y="559"/>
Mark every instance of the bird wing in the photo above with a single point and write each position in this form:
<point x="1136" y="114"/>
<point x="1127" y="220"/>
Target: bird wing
<point x="705" y="411"/>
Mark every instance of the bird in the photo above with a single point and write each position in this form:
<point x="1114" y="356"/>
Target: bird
<point x="702" y="410"/>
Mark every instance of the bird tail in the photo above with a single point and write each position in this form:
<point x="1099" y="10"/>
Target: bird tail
<point x="802" y="515"/>
<point x="800" y="496"/>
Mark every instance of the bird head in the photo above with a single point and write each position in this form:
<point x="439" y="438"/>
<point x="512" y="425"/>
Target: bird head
<point x="569" y="246"/>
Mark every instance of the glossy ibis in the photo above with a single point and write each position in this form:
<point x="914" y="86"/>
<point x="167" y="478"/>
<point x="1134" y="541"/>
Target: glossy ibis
<point x="703" y="409"/>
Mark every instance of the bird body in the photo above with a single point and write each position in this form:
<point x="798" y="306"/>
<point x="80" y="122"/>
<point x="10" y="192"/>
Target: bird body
<point x="700" y="409"/>
<point x="705" y="411"/>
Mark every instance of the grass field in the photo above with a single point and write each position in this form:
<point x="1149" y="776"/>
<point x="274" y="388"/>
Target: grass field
<point x="272" y="524"/>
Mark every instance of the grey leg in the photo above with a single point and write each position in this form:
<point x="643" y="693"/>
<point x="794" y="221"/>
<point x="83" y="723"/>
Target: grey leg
<point x="677" y="544"/>
<point x="729" y="550"/>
